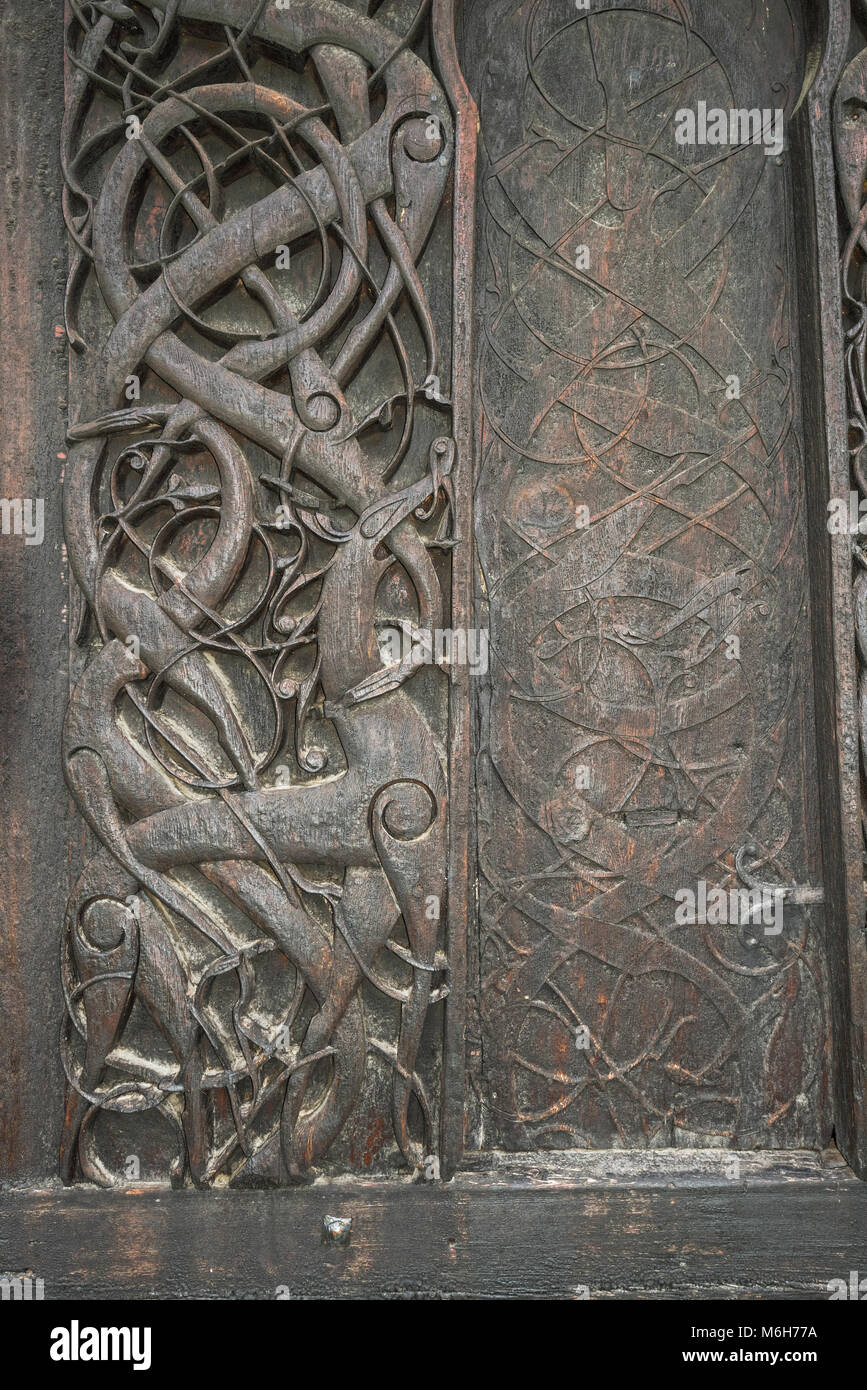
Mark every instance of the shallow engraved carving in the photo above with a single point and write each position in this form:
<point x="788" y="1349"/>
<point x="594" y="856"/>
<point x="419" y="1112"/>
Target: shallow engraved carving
<point x="850" y="146"/>
<point x="639" y="523"/>
<point x="258" y="493"/>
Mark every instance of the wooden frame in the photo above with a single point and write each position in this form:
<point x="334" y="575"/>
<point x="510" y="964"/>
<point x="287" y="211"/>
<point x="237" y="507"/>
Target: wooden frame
<point x="834" y="663"/>
<point x="668" y="1227"/>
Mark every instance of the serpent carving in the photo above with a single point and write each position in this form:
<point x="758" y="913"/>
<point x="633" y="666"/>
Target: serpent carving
<point x="259" y="484"/>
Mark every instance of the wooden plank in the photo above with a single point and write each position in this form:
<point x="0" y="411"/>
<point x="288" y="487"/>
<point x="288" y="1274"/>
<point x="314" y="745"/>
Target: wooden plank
<point x="35" y="817"/>
<point x="783" y="1231"/>
<point x="828" y="476"/>
<point x="648" y="726"/>
<point x="461" y="917"/>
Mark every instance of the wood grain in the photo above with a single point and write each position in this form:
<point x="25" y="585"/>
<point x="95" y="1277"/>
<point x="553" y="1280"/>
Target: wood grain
<point x="35" y="823"/>
<point x="786" y="1229"/>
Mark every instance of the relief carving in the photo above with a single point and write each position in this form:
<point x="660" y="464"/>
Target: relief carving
<point x="850" y="148"/>
<point x="259" y="492"/>
<point x="264" y="492"/>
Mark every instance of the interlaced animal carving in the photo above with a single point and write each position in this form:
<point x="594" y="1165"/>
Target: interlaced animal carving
<point x="240" y="492"/>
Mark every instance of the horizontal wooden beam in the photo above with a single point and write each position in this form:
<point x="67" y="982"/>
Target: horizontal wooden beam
<point x="660" y="1225"/>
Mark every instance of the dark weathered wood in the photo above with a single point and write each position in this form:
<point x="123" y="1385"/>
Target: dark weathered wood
<point x="839" y="422"/>
<point x="34" y="818"/>
<point x="663" y="1225"/>
<point x="783" y="1231"/>
<point x="447" y="18"/>
<point x="826" y="416"/>
<point x="640" y="520"/>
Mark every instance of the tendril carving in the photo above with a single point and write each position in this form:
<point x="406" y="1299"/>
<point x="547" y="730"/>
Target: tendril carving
<point x="638" y="517"/>
<point x="258" y="482"/>
<point x="850" y="145"/>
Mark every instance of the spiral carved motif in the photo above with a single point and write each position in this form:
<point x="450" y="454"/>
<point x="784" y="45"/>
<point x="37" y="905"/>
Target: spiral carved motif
<point x="258" y="483"/>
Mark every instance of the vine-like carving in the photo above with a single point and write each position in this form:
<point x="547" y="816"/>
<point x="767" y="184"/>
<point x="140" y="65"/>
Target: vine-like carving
<point x="850" y="147"/>
<point x="258" y="489"/>
<point x="640" y="530"/>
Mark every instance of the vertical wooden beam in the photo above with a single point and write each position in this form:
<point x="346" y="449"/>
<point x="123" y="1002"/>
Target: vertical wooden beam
<point x="445" y="20"/>
<point x="34" y="815"/>
<point x="827" y="470"/>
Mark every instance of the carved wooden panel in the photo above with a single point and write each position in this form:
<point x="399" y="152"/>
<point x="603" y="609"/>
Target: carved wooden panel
<point x="289" y="352"/>
<point x="647" y="726"/>
<point x="259" y="501"/>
